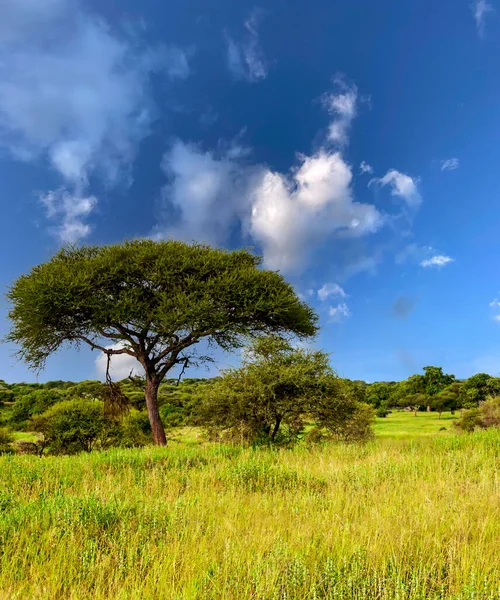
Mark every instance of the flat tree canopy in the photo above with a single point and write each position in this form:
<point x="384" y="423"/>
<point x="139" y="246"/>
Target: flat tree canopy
<point x="153" y="301"/>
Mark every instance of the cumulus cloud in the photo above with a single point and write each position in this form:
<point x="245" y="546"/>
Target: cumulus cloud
<point x="401" y="185"/>
<point x="121" y="365"/>
<point x="330" y="289"/>
<point x="450" y="164"/>
<point x="246" y="59"/>
<point x="292" y="213"/>
<point x="74" y="92"/>
<point x="210" y="194"/>
<point x="480" y="9"/>
<point x="341" y="104"/>
<point x="364" y="167"/>
<point x="436" y="261"/>
<point x="339" y="313"/>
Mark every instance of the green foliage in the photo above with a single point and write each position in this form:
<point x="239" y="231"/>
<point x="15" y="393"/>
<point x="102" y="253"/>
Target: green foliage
<point x="382" y="411"/>
<point x="71" y="426"/>
<point x="485" y="416"/>
<point x="477" y="389"/>
<point x="159" y="288"/>
<point x="6" y="440"/>
<point x="276" y="391"/>
<point x="33" y="403"/>
<point x="153" y="301"/>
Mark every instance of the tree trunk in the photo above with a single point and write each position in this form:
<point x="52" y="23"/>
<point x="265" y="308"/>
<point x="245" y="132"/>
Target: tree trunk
<point x="415" y="412"/>
<point x="276" y="427"/>
<point x="152" y="385"/>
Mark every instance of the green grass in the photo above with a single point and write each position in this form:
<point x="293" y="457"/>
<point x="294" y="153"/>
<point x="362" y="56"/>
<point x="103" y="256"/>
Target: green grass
<point x="24" y="436"/>
<point x="398" y="519"/>
<point x="403" y="424"/>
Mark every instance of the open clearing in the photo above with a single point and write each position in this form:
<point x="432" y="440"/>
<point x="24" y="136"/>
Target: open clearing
<point x="404" y="517"/>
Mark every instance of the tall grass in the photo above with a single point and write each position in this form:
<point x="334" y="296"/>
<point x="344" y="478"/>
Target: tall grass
<point x="394" y="520"/>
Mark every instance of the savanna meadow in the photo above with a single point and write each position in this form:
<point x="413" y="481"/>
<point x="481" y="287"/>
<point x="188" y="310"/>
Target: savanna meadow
<point x="276" y="479"/>
<point x="249" y="300"/>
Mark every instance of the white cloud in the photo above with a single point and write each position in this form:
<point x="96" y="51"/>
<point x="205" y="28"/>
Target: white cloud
<point x="245" y="59"/>
<point x="450" y="164"/>
<point x="364" y="167"/>
<point x="436" y="261"/>
<point x="74" y="92"/>
<point x="402" y="185"/>
<point x="339" y="313"/>
<point x="206" y="192"/>
<point x="495" y="306"/>
<point x="330" y="289"/>
<point x="71" y="209"/>
<point x="211" y="194"/>
<point x="342" y="105"/>
<point x="121" y="365"/>
<point x="293" y="213"/>
<point x="480" y="8"/>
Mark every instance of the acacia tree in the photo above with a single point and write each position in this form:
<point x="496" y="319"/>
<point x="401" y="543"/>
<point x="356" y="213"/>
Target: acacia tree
<point x="276" y="391"/>
<point x="153" y="301"/>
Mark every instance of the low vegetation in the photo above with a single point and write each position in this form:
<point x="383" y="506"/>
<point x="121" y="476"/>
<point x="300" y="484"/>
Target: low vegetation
<point x="395" y="519"/>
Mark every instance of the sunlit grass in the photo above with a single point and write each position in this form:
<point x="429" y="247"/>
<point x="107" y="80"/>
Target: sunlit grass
<point x="397" y="519"/>
<point x="403" y="424"/>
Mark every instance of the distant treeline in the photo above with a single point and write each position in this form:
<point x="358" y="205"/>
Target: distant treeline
<point x="432" y="390"/>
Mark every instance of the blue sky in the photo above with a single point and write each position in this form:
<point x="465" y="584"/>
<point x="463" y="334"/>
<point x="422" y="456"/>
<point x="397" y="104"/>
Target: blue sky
<point x="354" y="144"/>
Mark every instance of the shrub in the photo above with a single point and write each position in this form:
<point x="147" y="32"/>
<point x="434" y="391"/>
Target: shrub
<point x="71" y="426"/>
<point x="6" y="440"/>
<point x="485" y="416"/>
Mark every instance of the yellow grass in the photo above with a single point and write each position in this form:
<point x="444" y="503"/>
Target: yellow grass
<point x="397" y="519"/>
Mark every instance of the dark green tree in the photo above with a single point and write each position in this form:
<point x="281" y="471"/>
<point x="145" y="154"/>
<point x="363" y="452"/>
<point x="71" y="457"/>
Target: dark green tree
<point x="153" y="301"/>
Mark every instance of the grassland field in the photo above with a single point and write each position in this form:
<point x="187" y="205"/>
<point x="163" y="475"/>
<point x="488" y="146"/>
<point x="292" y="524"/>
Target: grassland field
<point x="413" y="515"/>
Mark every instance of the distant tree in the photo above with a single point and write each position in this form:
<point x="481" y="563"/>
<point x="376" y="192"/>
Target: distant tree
<point x="153" y="301"/>
<point x="477" y="389"/>
<point x="276" y="391"/>
<point x="378" y="393"/>
<point x="435" y="380"/>
<point x="418" y="401"/>
<point x="446" y="400"/>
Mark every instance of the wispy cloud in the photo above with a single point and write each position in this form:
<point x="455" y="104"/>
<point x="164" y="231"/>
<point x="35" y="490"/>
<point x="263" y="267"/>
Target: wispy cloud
<point x="245" y="58"/>
<point x="495" y="309"/>
<point x="480" y="9"/>
<point x="450" y="164"/>
<point x="439" y="260"/>
<point x="71" y="210"/>
<point x="339" y="313"/>
<point x="401" y="185"/>
<point x="330" y="289"/>
<point x="73" y="91"/>
<point x="364" y="167"/>
<point x="342" y="105"/>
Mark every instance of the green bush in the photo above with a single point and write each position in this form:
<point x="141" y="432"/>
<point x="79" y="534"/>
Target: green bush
<point x="485" y="416"/>
<point x="6" y="440"/>
<point x="71" y="426"/>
